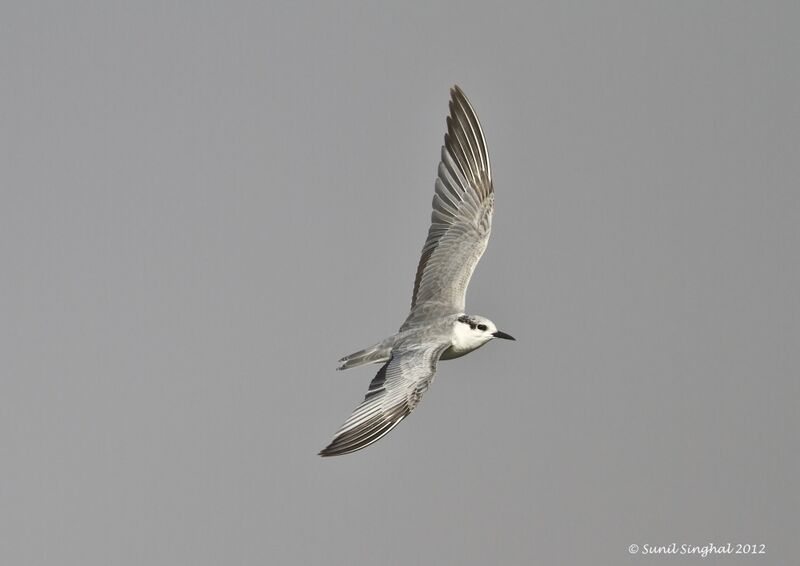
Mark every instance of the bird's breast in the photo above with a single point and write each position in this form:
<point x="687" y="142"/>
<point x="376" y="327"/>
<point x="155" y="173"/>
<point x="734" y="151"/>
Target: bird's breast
<point x="457" y="350"/>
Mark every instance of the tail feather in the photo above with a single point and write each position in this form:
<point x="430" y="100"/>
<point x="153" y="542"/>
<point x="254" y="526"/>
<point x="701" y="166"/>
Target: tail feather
<point x="378" y="353"/>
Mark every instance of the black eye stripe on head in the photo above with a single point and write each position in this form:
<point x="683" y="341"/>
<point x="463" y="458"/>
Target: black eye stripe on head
<point x="467" y="320"/>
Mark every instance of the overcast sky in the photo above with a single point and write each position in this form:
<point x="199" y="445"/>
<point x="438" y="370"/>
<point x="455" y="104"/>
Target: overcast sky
<point x="204" y="205"/>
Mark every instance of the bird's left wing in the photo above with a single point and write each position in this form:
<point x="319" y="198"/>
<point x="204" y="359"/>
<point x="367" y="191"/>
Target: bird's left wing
<point x="461" y="220"/>
<point x="392" y="395"/>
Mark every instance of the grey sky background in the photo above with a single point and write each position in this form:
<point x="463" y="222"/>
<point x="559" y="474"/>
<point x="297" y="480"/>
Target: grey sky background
<point x="204" y="205"/>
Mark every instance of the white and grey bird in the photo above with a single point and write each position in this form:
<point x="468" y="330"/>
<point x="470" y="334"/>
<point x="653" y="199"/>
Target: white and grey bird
<point x="437" y="326"/>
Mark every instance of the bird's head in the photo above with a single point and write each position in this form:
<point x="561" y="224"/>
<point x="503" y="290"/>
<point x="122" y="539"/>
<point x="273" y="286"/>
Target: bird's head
<point x="478" y="329"/>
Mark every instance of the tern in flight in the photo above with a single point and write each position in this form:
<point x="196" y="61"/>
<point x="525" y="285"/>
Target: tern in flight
<point x="437" y="328"/>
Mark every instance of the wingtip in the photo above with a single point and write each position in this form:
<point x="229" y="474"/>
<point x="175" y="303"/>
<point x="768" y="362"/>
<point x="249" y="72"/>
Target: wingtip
<point x="326" y="452"/>
<point x="457" y="96"/>
<point x="331" y="450"/>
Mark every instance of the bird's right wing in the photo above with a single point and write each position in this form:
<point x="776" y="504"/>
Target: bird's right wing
<point x="392" y="395"/>
<point x="461" y="220"/>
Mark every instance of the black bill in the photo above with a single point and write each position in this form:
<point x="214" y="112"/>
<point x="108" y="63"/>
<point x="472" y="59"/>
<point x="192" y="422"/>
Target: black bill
<point x="503" y="335"/>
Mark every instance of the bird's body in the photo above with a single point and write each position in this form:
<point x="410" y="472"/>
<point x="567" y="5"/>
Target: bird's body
<point x="437" y="326"/>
